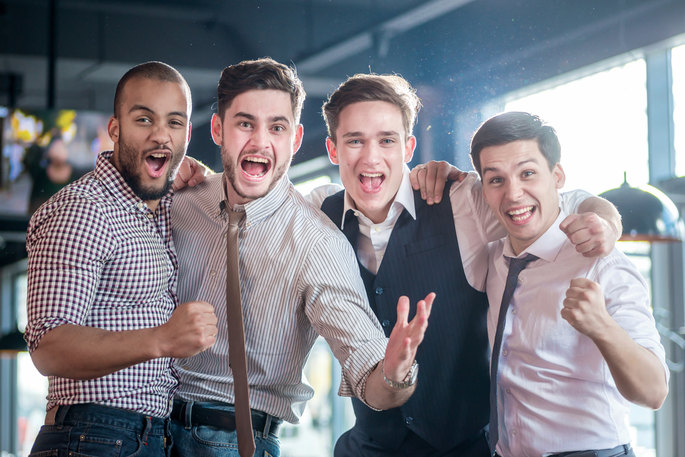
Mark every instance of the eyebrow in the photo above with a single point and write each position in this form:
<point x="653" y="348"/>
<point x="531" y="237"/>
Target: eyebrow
<point x="146" y="109"/>
<point x="521" y="163"/>
<point x="383" y="133"/>
<point x="278" y="118"/>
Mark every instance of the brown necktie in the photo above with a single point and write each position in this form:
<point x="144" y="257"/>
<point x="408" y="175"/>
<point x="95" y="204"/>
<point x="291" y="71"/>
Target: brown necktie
<point x="236" y="338"/>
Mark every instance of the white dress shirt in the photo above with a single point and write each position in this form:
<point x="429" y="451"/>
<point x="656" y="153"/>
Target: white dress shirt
<point x="299" y="279"/>
<point x="373" y="239"/>
<point x="555" y="390"/>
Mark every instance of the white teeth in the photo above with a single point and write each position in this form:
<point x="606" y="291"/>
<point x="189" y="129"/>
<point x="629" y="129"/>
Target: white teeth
<point x="256" y="160"/>
<point x="517" y="212"/>
<point x="372" y="175"/>
<point x="158" y="155"/>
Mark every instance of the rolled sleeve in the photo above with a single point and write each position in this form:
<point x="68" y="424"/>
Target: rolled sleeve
<point x="66" y="250"/>
<point x="337" y="306"/>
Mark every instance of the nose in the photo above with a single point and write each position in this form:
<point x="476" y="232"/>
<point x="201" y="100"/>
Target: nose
<point x="161" y="134"/>
<point x="513" y="189"/>
<point x="259" y="138"/>
<point x="371" y="153"/>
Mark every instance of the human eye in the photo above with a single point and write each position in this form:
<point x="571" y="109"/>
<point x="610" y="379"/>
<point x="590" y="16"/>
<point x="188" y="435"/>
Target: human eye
<point x="177" y="123"/>
<point x="495" y="180"/>
<point x="278" y="128"/>
<point x="143" y="120"/>
<point x="354" y="142"/>
<point x="244" y="124"/>
<point x="387" y="141"/>
<point x="528" y="173"/>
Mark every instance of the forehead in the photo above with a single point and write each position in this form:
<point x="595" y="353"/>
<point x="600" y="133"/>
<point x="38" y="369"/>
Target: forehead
<point x="371" y="115"/>
<point x="157" y="95"/>
<point x="265" y="103"/>
<point x="514" y="154"/>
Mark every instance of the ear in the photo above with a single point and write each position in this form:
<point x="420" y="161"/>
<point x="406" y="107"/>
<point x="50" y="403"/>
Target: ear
<point x="297" y="141"/>
<point x="217" y="131"/>
<point x="332" y="151"/>
<point x="190" y="128"/>
<point x="113" y="129"/>
<point x="409" y="149"/>
<point x="559" y="176"/>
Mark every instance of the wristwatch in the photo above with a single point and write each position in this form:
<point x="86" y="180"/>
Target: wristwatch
<point x="408" y="380"/>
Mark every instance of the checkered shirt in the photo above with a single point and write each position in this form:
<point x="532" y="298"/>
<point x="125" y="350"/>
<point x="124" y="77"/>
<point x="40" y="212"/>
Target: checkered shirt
<point x="99" y="257"/>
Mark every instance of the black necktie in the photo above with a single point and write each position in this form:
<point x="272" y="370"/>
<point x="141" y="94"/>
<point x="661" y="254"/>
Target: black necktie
<point x="516" y="265"/>
<point x="236" y="338"/>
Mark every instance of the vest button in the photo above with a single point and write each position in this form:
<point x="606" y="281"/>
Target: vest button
<point x="379" y="291"/>
<point x="408" y="420"/>
<point x="385" y="323"/>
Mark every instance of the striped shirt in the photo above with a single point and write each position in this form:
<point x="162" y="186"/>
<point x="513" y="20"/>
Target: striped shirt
<point x="299" y="279"/>
<point x="99" y="257"/>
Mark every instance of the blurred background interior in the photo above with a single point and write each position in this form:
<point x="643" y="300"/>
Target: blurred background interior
<point x="609" y="75"/>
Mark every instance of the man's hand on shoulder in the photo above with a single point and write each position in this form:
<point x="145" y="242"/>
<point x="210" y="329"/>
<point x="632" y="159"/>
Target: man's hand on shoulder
<point x="430" y="179"/>
<point x="592" y="235"/>
<point x="191" y="172"/>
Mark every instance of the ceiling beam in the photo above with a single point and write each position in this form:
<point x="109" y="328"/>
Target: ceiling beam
<point x="379" y="35"/>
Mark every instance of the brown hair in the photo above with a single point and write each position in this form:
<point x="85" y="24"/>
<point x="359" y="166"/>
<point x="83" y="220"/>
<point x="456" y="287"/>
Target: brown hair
<point x="264" y="73"/>
<point x="368" y="88"/>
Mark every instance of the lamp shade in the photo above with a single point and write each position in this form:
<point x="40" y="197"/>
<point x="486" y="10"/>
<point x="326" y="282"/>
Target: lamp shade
<point x="646" y="212"/>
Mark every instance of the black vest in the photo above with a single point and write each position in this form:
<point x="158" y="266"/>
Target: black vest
<point x="451" y="401"/>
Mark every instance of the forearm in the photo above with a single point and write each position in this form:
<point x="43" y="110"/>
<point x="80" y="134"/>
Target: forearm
<point x="380" y="395"/>
<point x="79" y="352"/>
<point x="637" y="372"/>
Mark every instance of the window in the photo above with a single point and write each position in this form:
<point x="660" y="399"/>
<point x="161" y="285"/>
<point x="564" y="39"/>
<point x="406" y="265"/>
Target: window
<point x="601" y="121"/>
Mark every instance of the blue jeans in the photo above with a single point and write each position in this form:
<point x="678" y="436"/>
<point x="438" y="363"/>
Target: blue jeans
<point x="192" y="440"/>
<point x="94" y="430"/>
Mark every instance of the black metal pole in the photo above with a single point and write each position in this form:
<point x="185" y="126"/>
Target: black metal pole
<point x="52" y="53"/>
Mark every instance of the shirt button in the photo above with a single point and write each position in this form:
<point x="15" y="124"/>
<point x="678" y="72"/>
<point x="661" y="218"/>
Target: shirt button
<point x="513" y="311"/>
<point x="408" y="420"/>
<point x="508" y="390"/>
<point x="212" y="273"/>
<point x="385" y="323"/>
<point x="505" y="352"/>
<point x="150" y="215"/>
<point x="379" y="291"/>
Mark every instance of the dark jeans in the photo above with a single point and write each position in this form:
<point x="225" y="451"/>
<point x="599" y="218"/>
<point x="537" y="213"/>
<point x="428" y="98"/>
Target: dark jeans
<point x="94" y="430"/>
<point x="192" y="440"/>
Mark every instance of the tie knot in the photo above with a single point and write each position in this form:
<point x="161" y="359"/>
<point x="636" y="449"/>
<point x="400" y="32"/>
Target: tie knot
<point x="519" y="263"/>
<point x="234" y="217"/>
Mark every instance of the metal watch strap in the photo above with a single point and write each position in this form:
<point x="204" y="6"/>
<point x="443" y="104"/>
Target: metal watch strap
<point x="408" y="381"/>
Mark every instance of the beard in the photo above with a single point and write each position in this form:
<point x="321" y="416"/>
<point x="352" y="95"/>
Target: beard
<point x="130" y="169"/>
<point x="230" y="172"/>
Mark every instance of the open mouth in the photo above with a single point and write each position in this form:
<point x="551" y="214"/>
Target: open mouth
<point x="255" y="167"/>
<point x="371" y="182"/>
<point x="156" y="162"/>
<point x="520" y="215"/>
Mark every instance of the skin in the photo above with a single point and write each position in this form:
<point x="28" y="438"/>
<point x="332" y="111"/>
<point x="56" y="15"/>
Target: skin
<point x="593" y="231"/>
<point x="371" y="149"/>
<point x="153" y="119"/>
<point x="258" y="138"/>
<point x="522" y="191"/>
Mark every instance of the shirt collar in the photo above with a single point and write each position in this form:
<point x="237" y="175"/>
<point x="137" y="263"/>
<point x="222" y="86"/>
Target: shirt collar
<point x="261" y="207"/>
<point x="404" y="199"/>
<point x="548" y="246"/>
<point x="117" y="186"/>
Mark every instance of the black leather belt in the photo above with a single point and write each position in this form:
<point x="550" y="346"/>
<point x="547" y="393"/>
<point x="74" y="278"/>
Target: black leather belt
<point x="623" y="449"/>
<point x="224" y="420"/>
